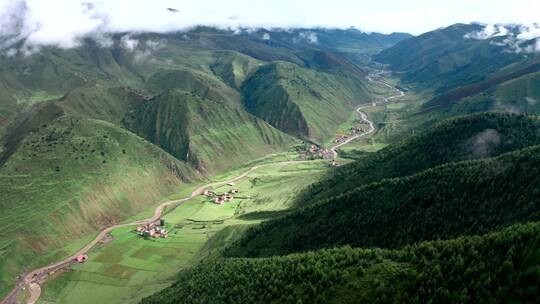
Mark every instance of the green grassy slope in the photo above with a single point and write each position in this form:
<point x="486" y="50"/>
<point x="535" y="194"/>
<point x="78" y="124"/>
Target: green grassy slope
<point x="444" y="59"/>
<point x="517" y="94"/>
<point x="111" y="104"/>
<point x="70" y="177"/>
<point x="209" y="134"/>
<point x="468" y="137"/>
<point x="499" y="267"/>
<point x="301" y="102"/>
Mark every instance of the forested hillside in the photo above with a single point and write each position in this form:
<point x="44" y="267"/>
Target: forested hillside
<point x="462" y="138"/>
<point x="499" y="267"/>
<point x="444" y="202"/>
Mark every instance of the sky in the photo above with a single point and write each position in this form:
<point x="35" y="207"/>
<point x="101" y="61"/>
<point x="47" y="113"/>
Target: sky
<point x="64" y="22"/>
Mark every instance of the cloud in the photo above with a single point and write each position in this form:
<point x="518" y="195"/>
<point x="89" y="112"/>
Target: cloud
<point x="483" y="143"/>
<point x="519" y="39"/>
<point x="265" y="36"/>
<point x="66" y="23"/>
<point x="309" y="37"/>
<point x="489" y="31"/>
<point x="129" y="43"/>
<point x="146" y="50"/>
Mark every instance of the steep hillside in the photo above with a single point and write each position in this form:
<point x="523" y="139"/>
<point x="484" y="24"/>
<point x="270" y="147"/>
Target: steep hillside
<point x="444" y="202"/>
<point x="70" y="177"/>
<point x="204" y="131"/>
<point x="301" y="102"/>
<point x="499" y="267"/>
<point x="515" y="92"/>
<point x="447" y="58"/>
<point x="463" y="138"/>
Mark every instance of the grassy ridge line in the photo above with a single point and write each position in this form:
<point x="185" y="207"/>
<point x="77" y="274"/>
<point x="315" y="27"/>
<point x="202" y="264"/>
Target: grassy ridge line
<point x="499" y="267"/>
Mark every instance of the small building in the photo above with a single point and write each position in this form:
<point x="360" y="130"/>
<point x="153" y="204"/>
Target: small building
<point x="81" y="258"/>
<point x="231" y="184"/>
<point x="219" y="200"/>
<point x="233" y="191"/>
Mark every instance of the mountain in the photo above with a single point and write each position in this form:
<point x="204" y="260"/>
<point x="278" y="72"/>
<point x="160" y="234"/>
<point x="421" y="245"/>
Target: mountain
<point x="461" y="54"/>
<point x="354" y="44"/>
<point x="512" y="91"/>
<point x="302" y="102"/>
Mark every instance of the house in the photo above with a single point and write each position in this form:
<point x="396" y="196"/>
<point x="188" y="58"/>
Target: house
<point x="152" y="230"/>
<point x="233" y="191"/>
<point x="333" y="163"/>
<point x="231" y="184"/>
<point x="81" y="258"/>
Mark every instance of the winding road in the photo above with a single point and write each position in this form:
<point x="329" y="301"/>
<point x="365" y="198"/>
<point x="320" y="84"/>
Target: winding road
<point x="363" y="116"/>
<point x="33" y="279"/>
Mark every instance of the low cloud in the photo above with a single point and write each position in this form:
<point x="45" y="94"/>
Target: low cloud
<point x="483" y="143"/>
<point x="489" y="31"/>
<point x="519" y="39"/>
<point x="309" y="37"/>
<point x="129" y="43"/>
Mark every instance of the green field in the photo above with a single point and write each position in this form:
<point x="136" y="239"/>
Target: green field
<point x="129" y="267"/>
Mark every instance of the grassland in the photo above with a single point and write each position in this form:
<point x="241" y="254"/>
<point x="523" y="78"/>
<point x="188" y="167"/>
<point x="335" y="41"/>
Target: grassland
<point x="302" y="102"/>
<point x="130" y="267"/>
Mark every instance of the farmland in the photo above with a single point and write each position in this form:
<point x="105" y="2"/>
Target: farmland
<point x="129" y="267"/>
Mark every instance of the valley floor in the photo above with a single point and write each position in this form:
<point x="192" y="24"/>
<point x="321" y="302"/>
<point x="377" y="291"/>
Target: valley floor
<point x="130" y="268"/>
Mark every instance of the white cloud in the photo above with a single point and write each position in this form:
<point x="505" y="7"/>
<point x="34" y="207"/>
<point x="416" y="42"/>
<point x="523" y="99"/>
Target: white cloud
<point x="65" y="23"/>
<point x="520" y="39"/>
<point x="129" y="43"/>
<point x="309" y="37"/>
<point x="489" y="31"/>
<point x="265" y="36"/>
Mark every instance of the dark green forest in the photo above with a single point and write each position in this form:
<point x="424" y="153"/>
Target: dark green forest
<point x="465" y="198"/>
<point x="462" y="138"/>
<point x="499" y="267"/>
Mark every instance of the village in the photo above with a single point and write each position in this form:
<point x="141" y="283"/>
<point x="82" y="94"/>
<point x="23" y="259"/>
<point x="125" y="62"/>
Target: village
<point x="222" y="198"/>
<point x="313" y="151"/>
<point x="154" y="230"/>
<point x="353" y="132"/>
